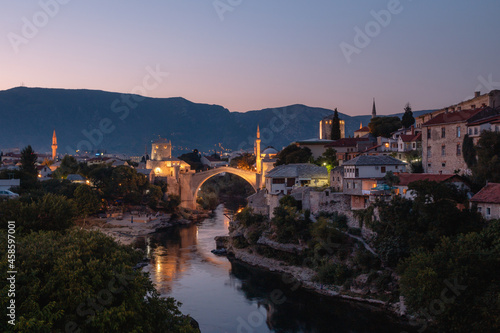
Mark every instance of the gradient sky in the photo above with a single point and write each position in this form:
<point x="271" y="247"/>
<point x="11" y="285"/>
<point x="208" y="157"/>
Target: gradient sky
<point x="265" y="53"/>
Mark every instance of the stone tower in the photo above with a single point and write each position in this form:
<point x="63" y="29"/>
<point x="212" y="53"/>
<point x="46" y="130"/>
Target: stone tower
<point x="161" y="150"/>
<point x="258" y="158"/>
<point x="374" y="110"/>
<point x="54" y="146"/>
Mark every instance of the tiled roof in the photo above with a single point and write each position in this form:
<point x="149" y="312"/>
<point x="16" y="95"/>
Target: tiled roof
<point x="493" y="120"/>
<point x="374" y="160"/>
<point x="302" y="170"/>
<point x="346" y="142"/>
<point x="407" y="178"/>
<point x="363" y="129"/>
<point x="452" y="117"/>
<point x="212" y="159"/>
<point x="490" y="194"/>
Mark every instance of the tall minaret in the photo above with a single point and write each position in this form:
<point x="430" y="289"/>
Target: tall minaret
<point x="54" y="146"/>
<point x="374" y="110"/>
<point x="258" y="159"/>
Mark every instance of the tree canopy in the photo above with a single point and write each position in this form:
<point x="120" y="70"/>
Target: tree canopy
<point x="407" y="119"/>
<point x="384" y="126"/>
<point x="294" y="154"/>
<point x="336" y="133"/>
<point x="84" y="281"/>
<point x="193" y="159"/>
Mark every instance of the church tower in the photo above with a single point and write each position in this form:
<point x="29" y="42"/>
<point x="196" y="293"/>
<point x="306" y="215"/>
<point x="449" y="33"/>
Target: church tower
<point x="54" y="146"/>
<point x="374" y="110"/>
<point x="258" y="159"/>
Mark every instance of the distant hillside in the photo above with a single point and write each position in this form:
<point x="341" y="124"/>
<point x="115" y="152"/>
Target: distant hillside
<point x="126" y="123"/>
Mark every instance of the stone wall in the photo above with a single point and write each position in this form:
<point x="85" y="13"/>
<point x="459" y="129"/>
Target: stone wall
<point x="436" y="162"/>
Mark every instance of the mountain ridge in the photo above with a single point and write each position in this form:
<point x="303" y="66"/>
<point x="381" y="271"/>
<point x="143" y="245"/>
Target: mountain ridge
<point x="88" y="119"/>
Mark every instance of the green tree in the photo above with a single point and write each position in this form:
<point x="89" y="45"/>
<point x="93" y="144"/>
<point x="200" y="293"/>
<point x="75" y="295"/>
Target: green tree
<point x="336" y="134"/>
<point x="69" y="165"/>
<point x="405" y="225"/>
<point x="458" y="283"/>
<point x="245" y="162"/>
<point x="391" y="179"/>
<point x="193" y="159"/>
<point x="328" y="159"/>
<point x="487" y="167"/>
<point x="51" y="212"/>
<point x="83" y="280"/>
<point x="288" y="224"/>
<point x="407" y="119"/>
<point x="469" y="151"/>
<point x="28" y="161"/>
<point x="384" y="126"/>
<point x="87" y="201"/>
<point x="294" y="154"/>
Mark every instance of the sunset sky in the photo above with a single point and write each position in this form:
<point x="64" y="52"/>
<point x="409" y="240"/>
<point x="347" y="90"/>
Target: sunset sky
<point x="248" y="55"/>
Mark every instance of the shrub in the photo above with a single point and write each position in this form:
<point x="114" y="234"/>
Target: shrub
<point x="333" y="274"/>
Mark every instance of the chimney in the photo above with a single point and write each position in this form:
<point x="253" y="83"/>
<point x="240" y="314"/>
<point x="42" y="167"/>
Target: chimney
<point x="477" y="93"/>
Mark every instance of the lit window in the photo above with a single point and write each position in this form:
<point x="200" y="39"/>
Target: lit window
<point x="458" y="132"/>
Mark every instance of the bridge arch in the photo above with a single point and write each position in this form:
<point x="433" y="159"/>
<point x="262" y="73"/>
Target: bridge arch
<point x="191" y="183"/>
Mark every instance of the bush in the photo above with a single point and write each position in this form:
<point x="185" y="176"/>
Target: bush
<point x="330" y="273"/>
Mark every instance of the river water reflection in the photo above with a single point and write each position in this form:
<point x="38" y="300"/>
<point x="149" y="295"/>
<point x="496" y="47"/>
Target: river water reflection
<point x="226" y="296"/>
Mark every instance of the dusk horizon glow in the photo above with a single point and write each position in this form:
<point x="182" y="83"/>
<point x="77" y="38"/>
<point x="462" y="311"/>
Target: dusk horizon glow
<point x="255" y="55"/>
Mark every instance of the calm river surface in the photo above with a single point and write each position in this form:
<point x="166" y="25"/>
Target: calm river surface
<point x="226" y="296"/>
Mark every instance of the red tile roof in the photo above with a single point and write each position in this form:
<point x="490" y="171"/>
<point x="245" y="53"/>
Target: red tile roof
<point x="363" y="129"/>
<point x="490" y="194"/>
<point x="407" y="178"/>
<point x="410" y="138"/>
<point x="346" y="142"/>
<point x="452" y="117"/>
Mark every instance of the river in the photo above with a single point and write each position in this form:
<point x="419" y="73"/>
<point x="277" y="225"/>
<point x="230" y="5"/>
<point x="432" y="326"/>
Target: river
<point x="226" y="296"/>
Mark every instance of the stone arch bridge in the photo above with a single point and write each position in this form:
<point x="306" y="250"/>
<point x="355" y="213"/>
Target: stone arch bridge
<point x="190" y="183"/>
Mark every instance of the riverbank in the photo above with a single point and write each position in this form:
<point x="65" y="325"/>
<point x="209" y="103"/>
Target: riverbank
<point x="304" y="278"/>
<point x="127" y="228"/>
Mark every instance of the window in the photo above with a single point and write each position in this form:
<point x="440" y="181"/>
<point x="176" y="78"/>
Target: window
<point x="356" y="173"/>
<point x="278" y="180"/>
<point x="404" y="191"/>
<point x="459" y="150"/>
<point x="443" y="150"/>
<point x="480" y="209"/>
<point x="429" y="154"/>
<point x="428" y="133"/>
<point x="488" y="211"/>
<point x="443" y="164"/>
<point x="470" y="131"/>
<point x="443" y="132"/>
<point x="382" y="169"/>
<point x="458" y="132"/>
<point x="475" y="130"/>
<point x="347" y="185"/>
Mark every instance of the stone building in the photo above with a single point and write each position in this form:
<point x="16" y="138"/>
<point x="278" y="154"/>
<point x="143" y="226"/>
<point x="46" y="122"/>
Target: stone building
<point x="325" y="128"/>
<point x="363" y="173"/>
<point x="491" y="99"/>
<point x="487" y="201"/>
<point x="442" y="138"/>
<point x="165" y="166"/>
